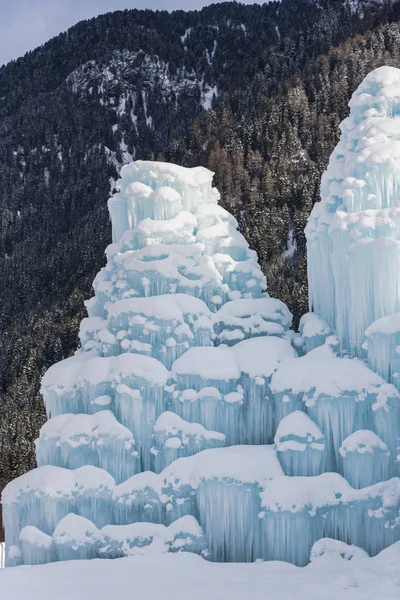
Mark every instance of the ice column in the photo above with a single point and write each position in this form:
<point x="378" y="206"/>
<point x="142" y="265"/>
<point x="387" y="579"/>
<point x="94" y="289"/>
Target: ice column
<point x="366" y="458"/>
<point x="300" y="445"/>
<point x="353" y="234"/>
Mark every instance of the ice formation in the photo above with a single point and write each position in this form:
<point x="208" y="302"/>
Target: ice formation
<point x="313" y="330"/>
<point x="353" y="240"/>
<point x="329" y="546"/>
<point x="366" y="458"/>
<point x="98" y="440"/>
<point x="306" y="509"/>
<point x="78" y="538"/>
<point x="383" y="347"/>
<point x="242" y="319"/>
<point x="175" y="438"/>
<point x="300" y="445"/>
<point x="187" y="420"/>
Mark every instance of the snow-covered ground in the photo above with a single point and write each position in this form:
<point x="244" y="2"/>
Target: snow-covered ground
<point x="182" y="576"/>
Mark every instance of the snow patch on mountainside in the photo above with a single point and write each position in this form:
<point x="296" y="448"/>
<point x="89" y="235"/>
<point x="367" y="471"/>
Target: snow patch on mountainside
<point x="135" y="85"/>
<point x="119" y="80"/>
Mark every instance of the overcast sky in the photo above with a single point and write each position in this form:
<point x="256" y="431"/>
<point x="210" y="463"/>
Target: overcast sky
<point x="25" y="24"/>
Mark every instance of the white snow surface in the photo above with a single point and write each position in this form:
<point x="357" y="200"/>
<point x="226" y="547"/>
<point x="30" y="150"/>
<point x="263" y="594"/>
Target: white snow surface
<point x="58" y="482"/>
<point x="387" y="325"/>
<point x="245" y="464"/>
<point x="159" y="173"/>
<point x="73" y="529"/>
<point x="167" y="306"/>
<point x="154" y="231"/>
<point x="323" y="372"/>
<point x="223" y="235"/>
<point x="248" y="464"/>
<point x="170" y="423"/>
<point x="261" y="356"/>
<point x="77" y="530"/>
<point x="269" y="308"/>
<point x="81" y="429"/>
<point x="330" y="546"/>
<point x="208" y="215"/>
<point x="294" y="494"/>
<point x="208" y="363"/>
<point x="35" y="537"/>
<point x="362" y="441"/>
<point x="257" y="357"/>
<point x="87" y="366"/>
<point x="299" y="424"/>
<point x="311" y="324"/>
<point x="250" y="317"/>
<point x="328" y="577"/>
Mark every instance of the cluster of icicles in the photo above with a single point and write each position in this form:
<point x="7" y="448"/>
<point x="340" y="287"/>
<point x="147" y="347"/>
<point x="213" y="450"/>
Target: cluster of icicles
<point x="193" y="418"/>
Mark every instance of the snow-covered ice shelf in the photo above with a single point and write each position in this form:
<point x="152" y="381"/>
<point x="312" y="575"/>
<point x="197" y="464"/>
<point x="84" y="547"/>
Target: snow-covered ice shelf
<point x="246" y="505"/>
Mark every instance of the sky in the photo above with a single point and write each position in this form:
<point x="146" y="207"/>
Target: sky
<point x="26" y="24"/>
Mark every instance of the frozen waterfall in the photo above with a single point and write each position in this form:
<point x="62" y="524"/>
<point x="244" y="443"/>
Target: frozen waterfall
<point x="187" y="421"/>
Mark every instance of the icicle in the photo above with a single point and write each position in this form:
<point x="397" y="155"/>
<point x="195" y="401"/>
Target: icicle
<point x="72" y="441"/>
<point x="175" y="438"/>
<point x="300" y="445"/>
<point x="76" y="538"/>
<point x="366" y="459"/>
<point x="37" y="547"/>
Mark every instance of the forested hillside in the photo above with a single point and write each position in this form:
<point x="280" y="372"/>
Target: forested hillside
<point x="255" y="93"/>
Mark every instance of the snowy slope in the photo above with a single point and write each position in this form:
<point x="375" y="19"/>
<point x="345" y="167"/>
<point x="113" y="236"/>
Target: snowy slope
<point x="183" y="576"/>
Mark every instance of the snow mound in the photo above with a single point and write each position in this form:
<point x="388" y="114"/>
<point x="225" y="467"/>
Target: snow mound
<point x="383" y="347"/>
<point x="314" y="330"/>
<point x="73" y="441"/>
<point x="246" y="318"/>
<point x="300" y="445"/>
<point x="362" y="441"/>
<point x="176" y="438"/>
<point x="329" y="547"/>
